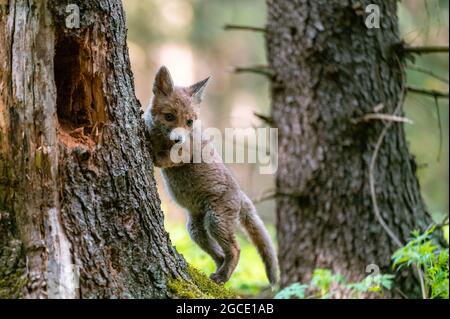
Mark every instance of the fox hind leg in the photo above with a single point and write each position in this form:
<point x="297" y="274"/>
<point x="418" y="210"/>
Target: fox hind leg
<point x="223" y="233"/>
<point x="198" y="233"/>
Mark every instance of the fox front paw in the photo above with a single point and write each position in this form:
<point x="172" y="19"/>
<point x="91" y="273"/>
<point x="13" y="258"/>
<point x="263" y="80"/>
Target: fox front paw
<point x="218" y="278"/>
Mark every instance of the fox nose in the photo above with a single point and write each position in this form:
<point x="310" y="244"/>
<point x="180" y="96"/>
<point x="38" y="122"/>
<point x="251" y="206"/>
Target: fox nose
<point x="180" y="139"/>
<point x="177" y="138"/>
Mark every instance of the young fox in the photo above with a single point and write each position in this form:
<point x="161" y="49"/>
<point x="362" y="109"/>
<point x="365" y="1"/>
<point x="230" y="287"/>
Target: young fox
<point x="207" y="190"/>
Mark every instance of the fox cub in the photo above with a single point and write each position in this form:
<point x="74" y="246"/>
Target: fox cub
<point x="209" y="192"/>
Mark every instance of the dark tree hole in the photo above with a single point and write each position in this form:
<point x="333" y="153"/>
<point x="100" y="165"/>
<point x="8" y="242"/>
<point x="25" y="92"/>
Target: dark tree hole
<point x="80" y="101"/>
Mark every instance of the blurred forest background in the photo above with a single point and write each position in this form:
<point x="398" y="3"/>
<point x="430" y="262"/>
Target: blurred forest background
<point x="188" y="37"/>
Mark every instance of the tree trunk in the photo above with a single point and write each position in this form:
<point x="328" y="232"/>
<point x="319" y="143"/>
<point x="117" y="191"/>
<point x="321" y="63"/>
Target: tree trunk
<point x="330" y="70"/>
<point x="79" y="211"/>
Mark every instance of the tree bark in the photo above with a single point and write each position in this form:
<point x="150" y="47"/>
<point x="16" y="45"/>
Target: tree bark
<point x="80" y="215"/>
<point x="331" y="70"/>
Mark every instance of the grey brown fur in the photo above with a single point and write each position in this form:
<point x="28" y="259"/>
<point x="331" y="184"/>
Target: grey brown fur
<point x="208" y="191"/>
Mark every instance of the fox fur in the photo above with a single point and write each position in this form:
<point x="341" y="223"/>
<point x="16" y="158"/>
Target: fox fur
<point x="208" y="191"/>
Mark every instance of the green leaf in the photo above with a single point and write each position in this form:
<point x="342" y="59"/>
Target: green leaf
<point x="295" y="290"/>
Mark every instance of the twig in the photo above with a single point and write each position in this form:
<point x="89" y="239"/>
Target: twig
<point x="267" y="119"/>
<point x="439" y="127"/>
<point x="401" y="293"/>
<point x="382" y="116"/>
<point x="373" y="160"/>
<point x="243" y="28"/>
<point x="275" y="195"/>
<point x="419" y="101"/>
<point x="258" y="69"/>
<point x="422" y="283"/>
<point x="429" y="72"/>
<point x="264" y="198"/>
<point x="373" y="195"/>
<point x="425" y="49"/>
<point x="433" y="93"/>
<point x="443" y="223"/>
<point x="372" y="181"/>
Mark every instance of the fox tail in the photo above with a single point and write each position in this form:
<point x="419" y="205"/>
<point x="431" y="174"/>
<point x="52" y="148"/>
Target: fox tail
<point x="260" y="237"/>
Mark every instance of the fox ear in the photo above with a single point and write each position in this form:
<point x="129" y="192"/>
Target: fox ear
<point x="196" y="90"/>
<point x="163" y="82"/>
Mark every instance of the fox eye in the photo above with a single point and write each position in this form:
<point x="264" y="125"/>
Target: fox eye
<point x="189" y="122"/>
<point x="169" y="117"/>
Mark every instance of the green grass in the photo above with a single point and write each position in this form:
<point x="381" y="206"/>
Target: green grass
<point x="249" y="277"/>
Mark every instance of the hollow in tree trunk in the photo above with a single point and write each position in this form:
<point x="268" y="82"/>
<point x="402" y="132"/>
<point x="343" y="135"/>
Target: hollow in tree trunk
<point x="79" y="212"/>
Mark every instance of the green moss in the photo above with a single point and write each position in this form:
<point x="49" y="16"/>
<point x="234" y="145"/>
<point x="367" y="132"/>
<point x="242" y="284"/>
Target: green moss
<point x="200" y="287"/>
<point x="248" y="279"/>
<point x="184" y="289"/>
<point x="11" y="285"/>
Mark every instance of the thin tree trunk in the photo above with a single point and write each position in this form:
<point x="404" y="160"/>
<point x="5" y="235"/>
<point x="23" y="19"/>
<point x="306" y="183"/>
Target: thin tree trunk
<point x="330" y="69"/>
<point x="79" y="211"/>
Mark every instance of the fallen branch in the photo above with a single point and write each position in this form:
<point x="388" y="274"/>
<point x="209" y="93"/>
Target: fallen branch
<point x="433" y="93"/>
<point x="243" y="28"/>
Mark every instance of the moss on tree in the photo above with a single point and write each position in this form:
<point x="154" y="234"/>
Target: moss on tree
<point x="12" y="285"/>
<point x="200" y="287"/>
<point x="12" y="260"/>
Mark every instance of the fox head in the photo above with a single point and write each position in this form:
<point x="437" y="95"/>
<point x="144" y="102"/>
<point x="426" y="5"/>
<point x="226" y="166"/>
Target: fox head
<point x="175" y="107"/>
